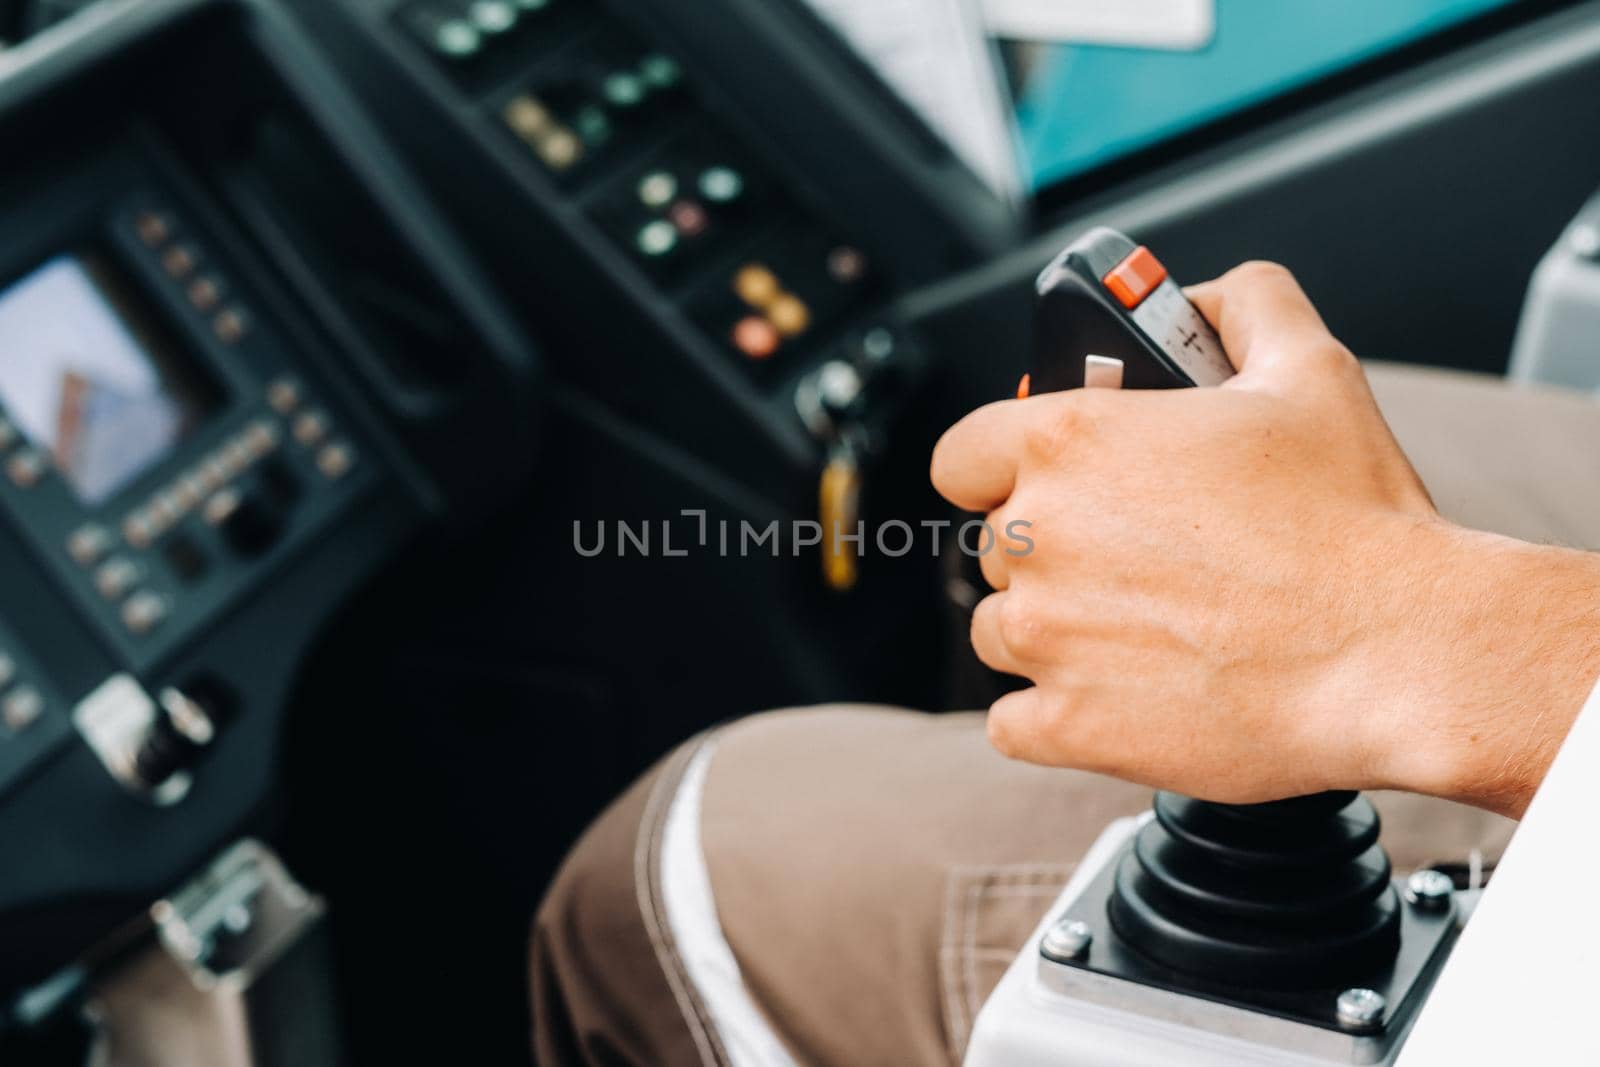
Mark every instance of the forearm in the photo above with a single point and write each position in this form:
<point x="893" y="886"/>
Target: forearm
<point x="1506" y="642"/>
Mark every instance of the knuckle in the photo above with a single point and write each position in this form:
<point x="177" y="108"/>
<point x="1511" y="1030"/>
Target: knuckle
<point x="1050" y="440"/>
<point x="1334" y="359"/>
<point x="1022" y="627"/>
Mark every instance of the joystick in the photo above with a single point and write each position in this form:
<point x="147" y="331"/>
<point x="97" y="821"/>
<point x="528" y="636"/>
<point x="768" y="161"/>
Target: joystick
<point x="1273" y="926"/>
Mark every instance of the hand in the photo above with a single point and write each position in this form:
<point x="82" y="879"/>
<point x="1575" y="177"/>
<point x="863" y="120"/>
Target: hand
<point x="1245" y="593"/>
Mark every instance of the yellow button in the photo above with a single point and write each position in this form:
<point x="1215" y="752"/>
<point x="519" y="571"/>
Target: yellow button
<point x="756" y="285"/>
<point x="790" y="315"/>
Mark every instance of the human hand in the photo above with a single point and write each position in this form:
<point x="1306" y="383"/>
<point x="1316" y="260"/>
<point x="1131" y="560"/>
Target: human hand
<point x="1245" y="593"/>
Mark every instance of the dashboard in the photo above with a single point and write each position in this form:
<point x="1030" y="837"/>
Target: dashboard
<point x="336" y="317"/>
<point x="250" y="365"/>
<point x="198" y="446"/>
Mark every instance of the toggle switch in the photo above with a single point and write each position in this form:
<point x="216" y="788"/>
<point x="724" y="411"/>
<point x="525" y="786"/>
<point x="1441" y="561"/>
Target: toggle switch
<point x="1102" y="372"/>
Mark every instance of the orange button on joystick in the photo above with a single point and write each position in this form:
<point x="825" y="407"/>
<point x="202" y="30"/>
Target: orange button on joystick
<point x="1135" y="277"/>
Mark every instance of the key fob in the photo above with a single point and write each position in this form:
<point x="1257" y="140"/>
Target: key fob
<point x="1108" y="315"/>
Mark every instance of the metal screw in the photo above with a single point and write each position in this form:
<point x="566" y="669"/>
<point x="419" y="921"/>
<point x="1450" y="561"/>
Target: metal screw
<point x="1068" y="939"/>
<point x="1361" y="1009"/>
<point x="1430" y="890"/>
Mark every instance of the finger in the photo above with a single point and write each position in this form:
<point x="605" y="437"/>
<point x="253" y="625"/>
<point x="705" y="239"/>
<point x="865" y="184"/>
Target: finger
<point x="1266" y="322"/>
<point x="986" y="639"/>
<point x="1022" y="726"/>
<point x="975" y="462"/>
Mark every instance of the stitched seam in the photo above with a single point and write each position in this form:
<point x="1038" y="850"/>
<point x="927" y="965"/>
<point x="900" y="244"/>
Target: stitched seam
<point x="955" y="1020"/>
<point x="646" y="890"/>
<point x="969" y="948"/>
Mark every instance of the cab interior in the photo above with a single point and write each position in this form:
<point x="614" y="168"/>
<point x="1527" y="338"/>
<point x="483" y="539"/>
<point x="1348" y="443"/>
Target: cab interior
<point x="439" y="292"/>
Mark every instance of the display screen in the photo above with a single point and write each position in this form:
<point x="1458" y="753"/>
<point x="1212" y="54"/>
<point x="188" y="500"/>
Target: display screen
<point x="89" y="378"/>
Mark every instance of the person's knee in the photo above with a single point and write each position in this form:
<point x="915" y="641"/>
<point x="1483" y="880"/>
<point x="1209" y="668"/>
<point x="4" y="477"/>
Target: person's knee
<point x="600" y="994"/>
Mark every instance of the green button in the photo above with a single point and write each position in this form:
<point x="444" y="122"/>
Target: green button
<point x="720" y="185"/>
<point x="592" y="125"/>
<point x="457" y="39"/>
<point x="493" y="16"/>
<point x="662" y="72"/>
<point x="657" y="238"/>
<point x="623" y="90"/>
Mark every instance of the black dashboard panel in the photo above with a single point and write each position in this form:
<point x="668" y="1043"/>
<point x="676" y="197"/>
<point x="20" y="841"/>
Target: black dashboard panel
<point x="223" y="422"/>
<point x="686" y="236"/>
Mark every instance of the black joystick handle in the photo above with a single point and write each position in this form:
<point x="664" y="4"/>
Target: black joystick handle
<point x="1294" y="894"/>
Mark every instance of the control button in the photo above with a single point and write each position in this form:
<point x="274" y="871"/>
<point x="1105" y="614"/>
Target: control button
<point x="230" y="326"/>
<point x="152" y="228"/>
<point x="231" y="460"/>
<point x="283" y="395"/>
<point x="657" y="189"/>
<point x="688" y="218"/>
<point x="756" y="285"/>
<point x="138" y="529"/>
<point x="878" y="344"/>
<point x="204" y="293"/>
<point x="790" y="315"/>
<point x="721" y="185"/>
<point x="846" y="265"/>
<point x="260" y="438"/>
<point x="623" y="90"/>
<point x="239" y="453"/>
<point x="310" y="428"/>
<point x="657" y="238"/>
<point x="25" y="468"/>
<point x="179" y="261"/>
<point x="593" y="125"/>
<point x="197" y="484"/>
<point x="756" y="337"/>
<point x="211" y="476"/>
<point x="8" y="670"/>
<point x="451" y="38"/>
<point x="559" y="149"/>
<point x="143" y="612"/>
<point x="116" y="577"/>
<point x="335" y="460"/>
<point x="168" y="507"/>
<point x="1102" y="372"/>
<point x="659" y="71"/>
<point x="220" y="506"/>
<point x="88" y="544"/>
<point x="8" y="433"/>
<point x="21" y="708"/>
<point x="528" y="118"/>
<point x="186" y="495"/>
<point x="492" y="17"/>
<point x="1135" y="277"/>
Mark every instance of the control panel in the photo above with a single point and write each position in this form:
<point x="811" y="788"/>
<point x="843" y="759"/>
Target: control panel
<point x="624" y="132"/>
<point x="243" y="367"/>
<point x="34" y="717"/>
<point x="163" y="444"/>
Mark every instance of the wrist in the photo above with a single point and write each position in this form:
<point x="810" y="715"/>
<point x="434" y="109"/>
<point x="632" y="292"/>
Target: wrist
<point x="1499" y="650"/>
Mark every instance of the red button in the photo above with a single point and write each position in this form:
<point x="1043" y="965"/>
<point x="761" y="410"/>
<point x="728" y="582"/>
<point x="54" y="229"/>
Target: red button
<point x="756" y="337"/>
<point x="1135" y="277"/>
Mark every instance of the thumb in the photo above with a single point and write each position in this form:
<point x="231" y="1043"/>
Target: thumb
<point x="1272" y="333"/>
